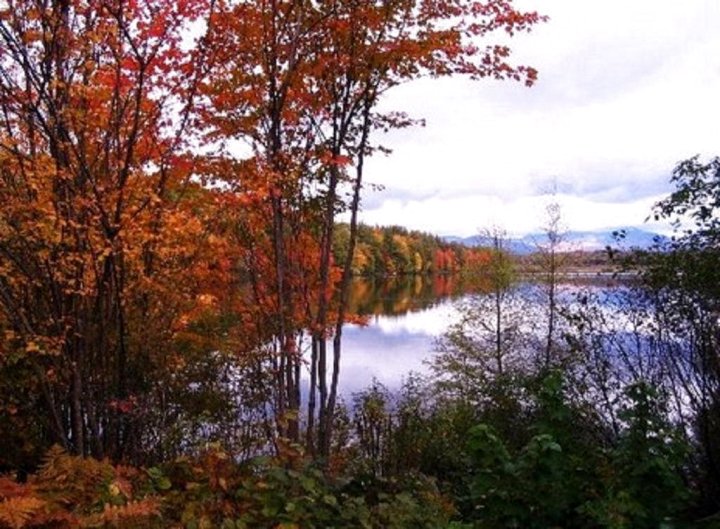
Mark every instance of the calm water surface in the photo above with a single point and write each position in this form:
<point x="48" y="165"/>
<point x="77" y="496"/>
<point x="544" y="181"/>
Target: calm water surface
<point x="404" y="318"/>
<point x="390" y="346"/>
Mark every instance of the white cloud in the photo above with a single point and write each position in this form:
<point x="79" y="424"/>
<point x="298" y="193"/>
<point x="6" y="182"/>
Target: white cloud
<point x="626" y="90"/>
<point x="468" y="215"/>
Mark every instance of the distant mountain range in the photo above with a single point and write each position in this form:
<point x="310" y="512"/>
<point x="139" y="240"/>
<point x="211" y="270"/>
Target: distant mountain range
<point x="571" y="241"/>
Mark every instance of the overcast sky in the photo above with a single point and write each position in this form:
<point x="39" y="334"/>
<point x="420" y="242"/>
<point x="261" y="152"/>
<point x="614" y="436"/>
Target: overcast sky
<point x="626" y="89"/>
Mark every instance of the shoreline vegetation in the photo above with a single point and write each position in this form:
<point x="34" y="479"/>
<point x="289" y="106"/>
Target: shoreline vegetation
<point x="498" y="423"/>
<point x="392" y="251"/>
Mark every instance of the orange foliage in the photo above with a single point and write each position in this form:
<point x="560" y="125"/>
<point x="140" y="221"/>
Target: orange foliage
<point x="75" y="492"/>
<point x="444" y="260"/>
<point x="95" y="230"/>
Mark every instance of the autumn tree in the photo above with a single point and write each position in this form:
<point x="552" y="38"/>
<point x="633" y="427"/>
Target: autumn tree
<point x="95" y="100"/>
<point x="299" y="83"/>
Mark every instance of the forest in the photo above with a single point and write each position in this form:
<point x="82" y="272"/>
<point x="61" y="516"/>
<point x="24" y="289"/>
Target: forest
<point x="175" y="280"/>
<point x="394" y="250"/>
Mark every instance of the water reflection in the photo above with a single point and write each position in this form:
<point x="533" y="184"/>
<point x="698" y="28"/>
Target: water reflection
<point x="402" y="294"/>
<point x="390" y="347"/>
<point x="405" y="317"/>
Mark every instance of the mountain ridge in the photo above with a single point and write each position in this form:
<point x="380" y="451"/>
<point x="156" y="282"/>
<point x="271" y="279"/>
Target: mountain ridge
<point x="571" y="240"/>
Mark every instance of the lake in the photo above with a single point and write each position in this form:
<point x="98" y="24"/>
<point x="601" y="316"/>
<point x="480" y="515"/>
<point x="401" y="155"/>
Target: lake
<point x="405" y="316"/>
<point x="392" y="345"/>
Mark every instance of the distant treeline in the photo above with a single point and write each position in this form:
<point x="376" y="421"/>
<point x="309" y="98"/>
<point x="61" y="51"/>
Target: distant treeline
<point x="394" y="250"/>
<point x="385" y="251"/>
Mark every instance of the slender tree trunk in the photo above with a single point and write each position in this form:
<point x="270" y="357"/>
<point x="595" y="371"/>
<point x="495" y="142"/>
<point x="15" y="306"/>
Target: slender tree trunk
<point x="310" y="432"/>
<point x="498" y="331"/>
<point x="319" y="337"/>
<point x="326" y="441"/>
<point x="551" y="315"/>
<point x="78" y="427"/>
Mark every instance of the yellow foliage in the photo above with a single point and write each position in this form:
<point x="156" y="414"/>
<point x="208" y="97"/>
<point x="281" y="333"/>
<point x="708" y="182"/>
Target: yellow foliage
<point x="72" y="480"/>
<point x="71" y="491"/>
<point x="16" y="513"/>
<point x="132" y="514"/>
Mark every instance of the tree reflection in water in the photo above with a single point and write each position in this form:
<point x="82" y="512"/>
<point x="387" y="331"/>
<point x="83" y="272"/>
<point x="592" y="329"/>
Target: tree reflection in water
<point x="403" y="317"/>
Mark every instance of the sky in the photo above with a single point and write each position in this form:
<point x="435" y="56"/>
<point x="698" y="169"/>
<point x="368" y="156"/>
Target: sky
<point x="626" y="89"/>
